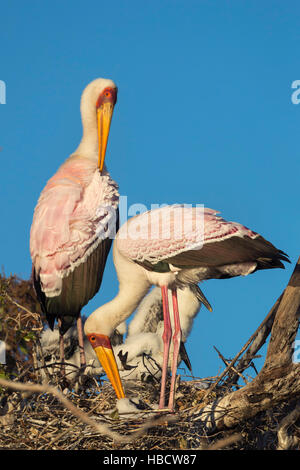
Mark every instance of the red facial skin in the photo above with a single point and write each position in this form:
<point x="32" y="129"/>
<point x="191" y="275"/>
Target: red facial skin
<point x="108" y="95"/>
<point x="99" y="340"/>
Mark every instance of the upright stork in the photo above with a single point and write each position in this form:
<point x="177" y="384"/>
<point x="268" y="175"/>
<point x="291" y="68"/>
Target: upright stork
<point x="173" y="247"/>
<point x="76" y="218"/>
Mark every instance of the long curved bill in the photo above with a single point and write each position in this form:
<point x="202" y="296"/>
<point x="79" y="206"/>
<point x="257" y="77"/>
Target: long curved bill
<point x="104" y="115"/>
<point x="108" y="362"/>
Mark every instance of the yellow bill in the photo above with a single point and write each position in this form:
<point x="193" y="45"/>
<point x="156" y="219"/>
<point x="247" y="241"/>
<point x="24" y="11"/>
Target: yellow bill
<point x="104" y="116"/>
<point x="108" y="362"/>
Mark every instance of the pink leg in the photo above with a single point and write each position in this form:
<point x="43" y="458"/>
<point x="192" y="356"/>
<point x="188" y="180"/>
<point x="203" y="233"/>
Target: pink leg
<point x="81" y="342"/>
<point x="176" y="346"/>
<point x="166" y="339"/>
<point x="61" y="351"/>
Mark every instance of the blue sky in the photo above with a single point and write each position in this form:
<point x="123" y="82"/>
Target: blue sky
<point x="204" y="115"/>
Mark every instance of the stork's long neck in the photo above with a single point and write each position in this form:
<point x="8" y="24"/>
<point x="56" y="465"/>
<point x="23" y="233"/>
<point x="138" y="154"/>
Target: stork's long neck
<point x="106" y="318"/>
<point x="88" y="146"/>
<point x="127" y="300"/>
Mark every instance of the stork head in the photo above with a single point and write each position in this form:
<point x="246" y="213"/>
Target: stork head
<point x="102" y="346"/>
<point x="97" y="103"/>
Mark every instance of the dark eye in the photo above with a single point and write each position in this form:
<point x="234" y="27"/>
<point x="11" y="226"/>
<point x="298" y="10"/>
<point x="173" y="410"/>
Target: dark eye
<point x="107" y="93"/>
<point x="92" y="338"/>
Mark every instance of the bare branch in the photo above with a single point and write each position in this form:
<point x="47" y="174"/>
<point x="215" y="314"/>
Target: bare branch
<point x="277" y="381"/>
<point x="226" y="362"/>
<point x="286" y="324"/>
<point x="252" y="338"/>
<point x="36" y="316"/>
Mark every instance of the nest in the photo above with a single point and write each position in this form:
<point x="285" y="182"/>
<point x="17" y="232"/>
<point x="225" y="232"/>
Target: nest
<point x="44" y="420"/>
<point x="230" y="411"/>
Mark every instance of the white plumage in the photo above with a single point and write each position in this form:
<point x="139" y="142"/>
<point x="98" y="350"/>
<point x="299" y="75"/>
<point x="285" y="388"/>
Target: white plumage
<point x="150" y="312"/>
<point x="144" y="343"/>
<point x="140" y="356"/>
<point x="51" y="353"/>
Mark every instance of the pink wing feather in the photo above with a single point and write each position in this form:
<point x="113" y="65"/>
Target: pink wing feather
<point x="165" y="232"/>
<point x="74" y="213"/>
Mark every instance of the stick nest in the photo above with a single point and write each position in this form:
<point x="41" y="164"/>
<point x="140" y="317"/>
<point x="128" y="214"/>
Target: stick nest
<point x="36" y="416"/>
<point x="36" y="421"/>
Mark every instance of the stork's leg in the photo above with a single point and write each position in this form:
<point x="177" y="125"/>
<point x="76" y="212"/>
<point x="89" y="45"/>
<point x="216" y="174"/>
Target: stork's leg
<point x="176" y="346"/>
<point x="61" y="350"/>
<point x="81" y="343"/>
<point x="166" y="340"/>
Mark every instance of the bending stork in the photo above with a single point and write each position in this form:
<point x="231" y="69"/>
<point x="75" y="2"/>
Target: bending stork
<point x="152" y="249"/>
